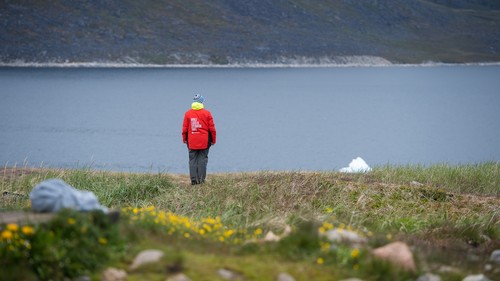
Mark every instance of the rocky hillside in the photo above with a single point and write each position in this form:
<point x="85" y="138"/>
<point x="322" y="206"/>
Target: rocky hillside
<point x="263" y="31"/>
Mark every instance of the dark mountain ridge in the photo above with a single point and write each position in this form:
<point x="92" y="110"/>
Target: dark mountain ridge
<point x="251" y="31"/>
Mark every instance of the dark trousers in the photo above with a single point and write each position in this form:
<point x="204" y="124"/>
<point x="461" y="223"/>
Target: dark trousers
<point x="198" y="160"/>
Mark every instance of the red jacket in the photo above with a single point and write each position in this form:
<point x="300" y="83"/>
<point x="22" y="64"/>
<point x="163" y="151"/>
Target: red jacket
<point x="198" y="129"/>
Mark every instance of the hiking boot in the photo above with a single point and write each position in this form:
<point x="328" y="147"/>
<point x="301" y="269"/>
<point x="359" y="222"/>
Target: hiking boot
<point x="193" y="182"/>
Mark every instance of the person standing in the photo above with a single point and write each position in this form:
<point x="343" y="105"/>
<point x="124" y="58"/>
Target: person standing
<point x="198" y="132"/>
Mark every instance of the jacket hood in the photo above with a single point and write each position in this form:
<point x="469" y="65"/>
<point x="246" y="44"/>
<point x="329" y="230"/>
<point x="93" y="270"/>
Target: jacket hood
<point x="197" y="105"/>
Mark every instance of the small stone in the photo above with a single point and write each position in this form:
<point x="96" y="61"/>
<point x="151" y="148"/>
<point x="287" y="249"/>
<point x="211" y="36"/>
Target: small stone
<point x="178" y="277"/>
<point x="271" y="237"/>
<point x="495" y="257"/>
<point x="448" y="269"/>
<point x="416" y="183"/>
<point x="145" y="257"/>
<point x="285" y="277"/>
<point x="228" y="274"/>
<point x="478" y="277"/>
<point x="113" y="274"/>
<point x="397" y="253"/>
<point x="429" y="277"/>
<point x="342" y="235"/>
<point x="488" y="267"/>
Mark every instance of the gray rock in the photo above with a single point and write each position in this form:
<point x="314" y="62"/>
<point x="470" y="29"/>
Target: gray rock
<point x="229" y="275"/>
<point x="495" y="257"/>
<point x="449" y="269"/>
<point x="178" y="277"/>
<point x="285" y="277"/>
<point x="113" y="274"/>
<point x="416" y="183"/>
<point x="478" y="277"/>
<point x="53" y="195"/>
<point x="145" y="257"/>
<point x="429" y="277"/>
<point x="345" y="236"/>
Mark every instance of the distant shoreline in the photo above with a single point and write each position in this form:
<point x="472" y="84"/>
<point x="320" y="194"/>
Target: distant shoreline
<point x="242" y="65"/>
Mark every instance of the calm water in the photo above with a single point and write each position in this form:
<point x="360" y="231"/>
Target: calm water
<point x="267" y="119"/>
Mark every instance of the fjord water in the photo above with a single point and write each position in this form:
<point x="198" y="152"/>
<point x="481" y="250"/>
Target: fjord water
<point x="129" y="119"/>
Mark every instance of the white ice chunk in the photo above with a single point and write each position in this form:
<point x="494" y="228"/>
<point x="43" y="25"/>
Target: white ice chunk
<point x="357" y="165"/>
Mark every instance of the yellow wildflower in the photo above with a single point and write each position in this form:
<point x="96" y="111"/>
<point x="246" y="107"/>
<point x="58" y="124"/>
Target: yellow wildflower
<point x="258" y="231"/>
<point x="6" y="234"/>
<point x="12" y="227"/>
<point x="209" y="220"/>
<point x="329" y="210"/>
<point x="325" y="247"/>
<point x="103" y="241"/>
<point x="71" y="221"/>
<point x="322" y="230"/>
<point x="221" y="238"/>
<point x="355" y="253"/>
<point x="327" y="225"/>
<point x="187" y="235"/>
<point x="320" y="261"/>
<point x="27" y="230"/>
<point x="202" y="231"/>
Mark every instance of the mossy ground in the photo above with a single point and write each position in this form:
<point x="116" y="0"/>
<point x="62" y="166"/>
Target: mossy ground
<point x="449" y="218"/>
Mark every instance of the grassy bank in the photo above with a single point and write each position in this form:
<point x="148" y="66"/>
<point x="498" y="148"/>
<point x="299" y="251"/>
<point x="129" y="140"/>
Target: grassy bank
<point x="450" y="208"/>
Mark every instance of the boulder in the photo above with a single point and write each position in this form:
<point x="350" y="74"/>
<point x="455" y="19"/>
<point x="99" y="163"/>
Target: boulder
<point x="398" y="253"/>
